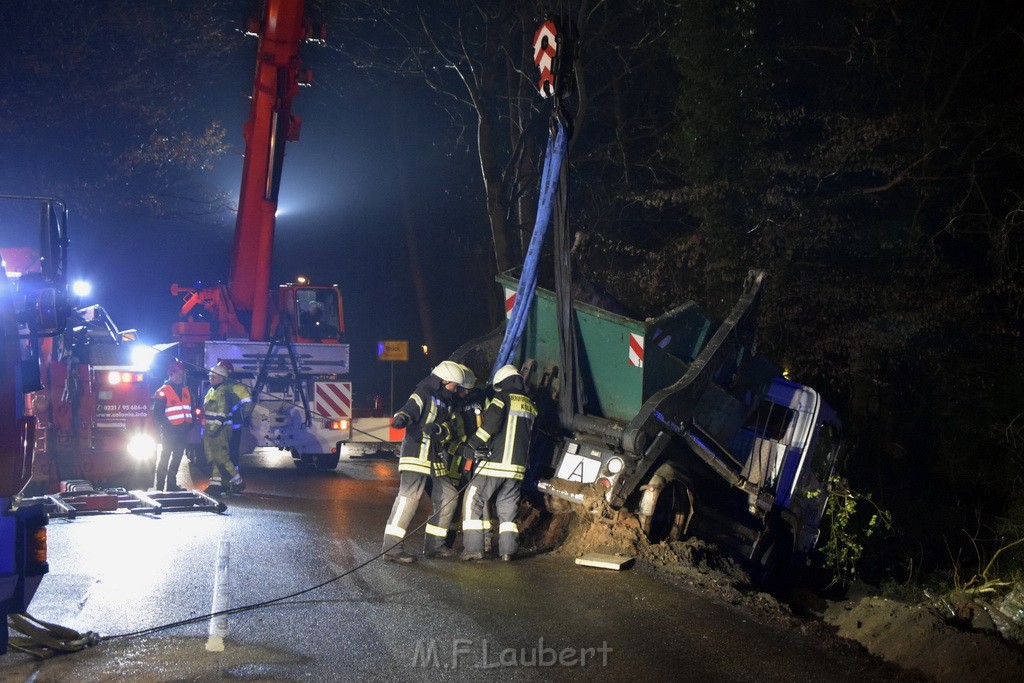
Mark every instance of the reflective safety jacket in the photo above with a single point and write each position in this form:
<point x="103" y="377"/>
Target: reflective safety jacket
<point x="174" y="403"/>
<point x="216" y="407"/>
<point x="505" y="430"/>
<point x="469" y="412"/>
<point x="240" y="410"/>
<point x="429" y="409"/>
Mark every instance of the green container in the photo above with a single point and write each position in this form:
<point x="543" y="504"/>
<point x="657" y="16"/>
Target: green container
<point x="623" y="361"/>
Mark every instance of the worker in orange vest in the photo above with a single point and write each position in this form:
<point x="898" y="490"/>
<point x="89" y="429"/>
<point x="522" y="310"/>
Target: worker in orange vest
<point x="172" y="411"/>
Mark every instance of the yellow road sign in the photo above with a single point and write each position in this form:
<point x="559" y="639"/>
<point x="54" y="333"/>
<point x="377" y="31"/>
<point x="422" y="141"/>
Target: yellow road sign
<point x="393" y="350"/>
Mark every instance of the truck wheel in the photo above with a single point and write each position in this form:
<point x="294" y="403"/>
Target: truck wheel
<point x="326" y="461"/>
<point x="661" y="518"/>
<point x="774" y="562"/>
<point x="197" y="456"/>
<point x="303" y="462"/>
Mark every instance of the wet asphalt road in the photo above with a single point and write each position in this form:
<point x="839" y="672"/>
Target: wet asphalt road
<point x="539" y="618"/>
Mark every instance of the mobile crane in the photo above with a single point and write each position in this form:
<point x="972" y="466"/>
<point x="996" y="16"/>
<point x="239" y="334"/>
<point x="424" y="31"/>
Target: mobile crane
<point x="289" y="345"/>
<point x="33" y="306"/>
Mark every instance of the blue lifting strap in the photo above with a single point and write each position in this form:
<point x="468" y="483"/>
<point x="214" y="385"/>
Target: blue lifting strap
<point x="554" y="157"/>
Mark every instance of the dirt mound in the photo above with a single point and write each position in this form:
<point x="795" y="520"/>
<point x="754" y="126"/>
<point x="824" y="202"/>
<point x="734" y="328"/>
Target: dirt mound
<point x="917" y="637"/>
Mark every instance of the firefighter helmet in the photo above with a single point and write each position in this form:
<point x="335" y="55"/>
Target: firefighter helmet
<point x="504" y="372"/>
<point x="226" y="364"/>
<point x="450" y="371"/>
<point x="175" y="366"/>
<point x="469" y="375"/>
<point x="219" y="370"/>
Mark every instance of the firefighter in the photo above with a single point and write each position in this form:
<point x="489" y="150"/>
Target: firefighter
<point x="469" y="407"/>
<point x="217" y="434"/>
<point x="505" y="430"/>
<point x="172" y="411"/>
<point x="238" y="413"/>
<point x="428" y="420"/>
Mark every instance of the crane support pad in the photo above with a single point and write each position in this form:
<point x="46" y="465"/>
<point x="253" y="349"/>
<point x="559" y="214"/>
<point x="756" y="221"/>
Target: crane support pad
<point x="71" y="505"/>
<point x="604" y="561"/>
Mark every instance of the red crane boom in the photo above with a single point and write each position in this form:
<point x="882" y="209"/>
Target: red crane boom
<point x="271" y="124"/>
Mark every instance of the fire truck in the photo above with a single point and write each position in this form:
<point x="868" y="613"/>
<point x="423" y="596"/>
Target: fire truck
<point x="93" y="406"/>
<point x="33" y="307"/>
<point x="287" y="345"/>
<point x="89" y="396"/>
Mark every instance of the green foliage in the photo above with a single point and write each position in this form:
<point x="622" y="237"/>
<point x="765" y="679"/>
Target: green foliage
<point x="846" y="528"/>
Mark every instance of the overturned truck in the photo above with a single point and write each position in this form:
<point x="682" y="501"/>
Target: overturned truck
<point x="678" y="421"/>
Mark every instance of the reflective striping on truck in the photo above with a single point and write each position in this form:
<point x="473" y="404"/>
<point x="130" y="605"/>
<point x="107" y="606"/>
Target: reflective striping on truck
<point x="636" y="350"/>
<point x="333" y="400"/>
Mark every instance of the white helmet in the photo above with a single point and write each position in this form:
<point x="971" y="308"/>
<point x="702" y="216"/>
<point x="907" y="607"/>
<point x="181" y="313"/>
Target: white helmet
<point x="504" y="372"/>
<point x="469" y="375"/>
<point x="450" y="371"/>
<point x="219" y="370"/>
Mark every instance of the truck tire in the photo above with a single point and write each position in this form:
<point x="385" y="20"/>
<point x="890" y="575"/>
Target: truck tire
<point x="661" y="512"/>
<point x="773" y="562"/>
<point x="196" y="456"/>
<point x="302" y="461"/>
<point x="326" y="461"/>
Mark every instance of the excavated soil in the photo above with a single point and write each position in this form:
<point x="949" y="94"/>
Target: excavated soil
<point x="917" y="638"/>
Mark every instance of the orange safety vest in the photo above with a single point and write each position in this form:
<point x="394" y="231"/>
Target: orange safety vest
<point x="178" y="410"/>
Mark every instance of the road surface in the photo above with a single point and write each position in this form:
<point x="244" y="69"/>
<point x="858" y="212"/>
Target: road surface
<point x="538" y="618"/>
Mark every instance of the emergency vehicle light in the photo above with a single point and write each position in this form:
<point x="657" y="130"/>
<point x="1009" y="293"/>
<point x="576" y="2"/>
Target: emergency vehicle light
<point x="336" y="425"/>
<point x="142" y="447"/>
<point x="117" y="377"/>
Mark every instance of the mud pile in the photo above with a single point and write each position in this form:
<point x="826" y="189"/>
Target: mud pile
<point x="694" y="562"/>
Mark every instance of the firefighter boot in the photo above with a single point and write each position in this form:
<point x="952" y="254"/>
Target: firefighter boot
<point x="236" y="485"/>
<point x="214" y="488"/>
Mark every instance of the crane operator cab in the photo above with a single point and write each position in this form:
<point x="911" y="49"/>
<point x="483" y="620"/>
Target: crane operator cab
<point x="318" y="313"/>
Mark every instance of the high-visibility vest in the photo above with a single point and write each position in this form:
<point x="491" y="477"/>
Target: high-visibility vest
<point x="177" y="409"/>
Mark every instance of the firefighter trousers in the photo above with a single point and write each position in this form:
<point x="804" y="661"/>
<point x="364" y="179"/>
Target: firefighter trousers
<point x="443" y="497"/>
<point x="216" y="447"/>
<point x="506" y="493"/>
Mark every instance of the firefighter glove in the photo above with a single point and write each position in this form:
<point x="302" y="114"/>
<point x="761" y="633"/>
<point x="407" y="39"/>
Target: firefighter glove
<point x="400" y="421"/>
<point x="432" y="429"/>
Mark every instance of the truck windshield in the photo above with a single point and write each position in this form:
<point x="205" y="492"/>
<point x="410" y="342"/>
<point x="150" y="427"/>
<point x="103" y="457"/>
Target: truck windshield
<point x="318" y="313"/>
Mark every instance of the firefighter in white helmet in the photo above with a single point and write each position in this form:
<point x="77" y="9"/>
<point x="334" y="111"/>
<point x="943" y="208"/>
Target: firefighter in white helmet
<point x="224" y="477"/>
<point x="428" y="420"/>
<point x="504" y="431"/>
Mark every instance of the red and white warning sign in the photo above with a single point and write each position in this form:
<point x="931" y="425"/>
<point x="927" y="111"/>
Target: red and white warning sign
<point x="510" y="301"/>
<point x="636" y="350"/>
<point x="333" y="400"/>
<point x="545" y="48"/>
